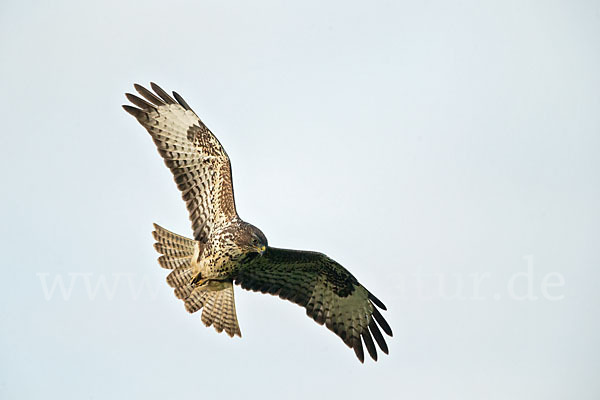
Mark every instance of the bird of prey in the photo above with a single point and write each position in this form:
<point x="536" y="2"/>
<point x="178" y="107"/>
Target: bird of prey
<point x="226" y="250"/>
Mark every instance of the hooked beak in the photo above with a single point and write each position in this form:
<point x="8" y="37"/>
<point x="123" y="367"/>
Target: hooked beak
<point x="261" y="250"/>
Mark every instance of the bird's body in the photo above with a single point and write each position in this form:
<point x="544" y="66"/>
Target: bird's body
<point x="220" y="254"/>
<point x="227" y="250"/>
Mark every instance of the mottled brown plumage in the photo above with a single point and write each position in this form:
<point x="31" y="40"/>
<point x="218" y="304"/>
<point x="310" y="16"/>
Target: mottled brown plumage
<point x="226" y="249"/>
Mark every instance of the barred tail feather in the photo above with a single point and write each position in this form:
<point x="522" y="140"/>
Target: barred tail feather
<point x="216" y="298"/>
<point x="219" y="310"/>
<point x="176" y="250"/>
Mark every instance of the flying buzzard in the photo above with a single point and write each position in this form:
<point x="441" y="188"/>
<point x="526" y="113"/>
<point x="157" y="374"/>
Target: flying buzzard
<point x="226" y="249"/>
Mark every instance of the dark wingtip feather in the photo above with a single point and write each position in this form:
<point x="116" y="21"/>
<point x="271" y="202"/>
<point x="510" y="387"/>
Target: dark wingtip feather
<point x="358" y="350"/>
<point x="369" y="343"/>
<point x="163" y="95"/>
<point x="378" y="336"/>
<point x="377" y="302"/>
<point x="148" y="95"/>
<point x="136" y="112"/>
<point x="382" y="322"/>
<point x="181" y="101"/>
<point x="143" y="104"/>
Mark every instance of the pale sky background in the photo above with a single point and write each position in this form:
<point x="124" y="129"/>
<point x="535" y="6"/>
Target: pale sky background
<point x="413" y="142"/>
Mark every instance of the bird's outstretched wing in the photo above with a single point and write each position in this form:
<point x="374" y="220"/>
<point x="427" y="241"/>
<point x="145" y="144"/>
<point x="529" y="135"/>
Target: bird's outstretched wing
<point x="330" y="294"/>
<point x="199" y="163"/>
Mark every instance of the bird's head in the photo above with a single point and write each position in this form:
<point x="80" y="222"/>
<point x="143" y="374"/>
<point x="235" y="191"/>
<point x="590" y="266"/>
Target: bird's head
<point x="253" y="240"/>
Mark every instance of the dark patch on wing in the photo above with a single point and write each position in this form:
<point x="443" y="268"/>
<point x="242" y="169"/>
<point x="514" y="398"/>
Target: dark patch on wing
<point x="319" y="284"/>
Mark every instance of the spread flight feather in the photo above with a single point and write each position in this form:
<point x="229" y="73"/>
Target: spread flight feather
<point x="227" y="250"/>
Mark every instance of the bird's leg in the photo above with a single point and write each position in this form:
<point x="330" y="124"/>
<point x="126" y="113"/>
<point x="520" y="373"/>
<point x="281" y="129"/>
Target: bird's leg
<point x="198" y="281"/>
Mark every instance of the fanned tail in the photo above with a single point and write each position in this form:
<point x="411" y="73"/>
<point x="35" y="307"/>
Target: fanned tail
<point x="219" y="309"/>
<point x="216" y="297"/>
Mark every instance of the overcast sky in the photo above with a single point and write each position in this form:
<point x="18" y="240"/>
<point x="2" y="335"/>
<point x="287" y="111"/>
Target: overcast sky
<point x="447" y="153"/>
